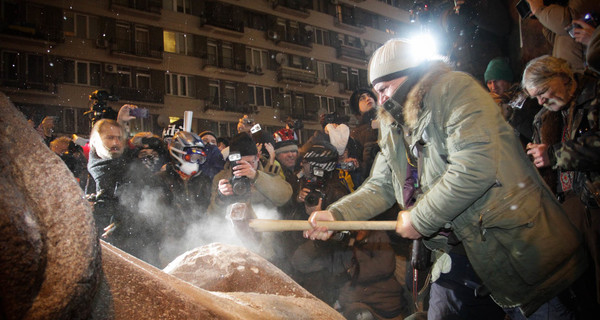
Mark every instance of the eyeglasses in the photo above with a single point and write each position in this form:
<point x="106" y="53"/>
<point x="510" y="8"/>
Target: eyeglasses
<point x="537" y="94"/>
<point x="194" y="155"/>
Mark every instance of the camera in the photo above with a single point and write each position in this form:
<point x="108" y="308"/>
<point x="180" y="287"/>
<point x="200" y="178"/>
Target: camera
<point x="294" y="124"/>
<point x="523" y="9"/>
<point x="315" y="185"/>
<point x="348" y="166"/>
<point x="333" y="118"/>
<point x="100" y="108"/>
<point x="240" y="185"/>
<point x="589" y="18"/>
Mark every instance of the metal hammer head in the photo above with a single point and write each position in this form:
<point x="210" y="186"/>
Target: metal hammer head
<point x="240" y="214"/>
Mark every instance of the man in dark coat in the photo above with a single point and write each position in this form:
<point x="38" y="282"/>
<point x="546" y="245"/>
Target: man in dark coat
<point x="571" y="110"/>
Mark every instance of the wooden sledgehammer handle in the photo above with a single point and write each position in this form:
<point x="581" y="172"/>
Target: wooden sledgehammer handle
<point x="262" y="225"/>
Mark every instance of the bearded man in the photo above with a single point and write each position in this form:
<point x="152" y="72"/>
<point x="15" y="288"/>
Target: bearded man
<point x="493" y="224"/>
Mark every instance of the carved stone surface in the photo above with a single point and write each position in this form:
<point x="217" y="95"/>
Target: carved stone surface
<point x="133" y="289"/>
<point x="50" y="228"/>
<point x="226" y="268"/>
<point x="51" y="266"/>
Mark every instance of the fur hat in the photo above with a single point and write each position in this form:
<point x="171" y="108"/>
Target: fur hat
<point x="498" y="69"/>
<point x="391" y="61"/>
<point x="243" y="143"/>
<point x="355" y="99"/>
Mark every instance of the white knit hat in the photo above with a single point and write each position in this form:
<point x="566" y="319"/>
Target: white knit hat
<point x="390" y="60"/>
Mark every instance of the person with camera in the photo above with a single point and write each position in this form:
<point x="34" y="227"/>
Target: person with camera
<point x="484" y="210"/>
<point x="243" y="180"/>
<point x="589" y="36"/>
<point x="567" y="143"/>
<point x="557" y="20"/>
<point x="319" y="266"/>
<point x="72" y="155"/>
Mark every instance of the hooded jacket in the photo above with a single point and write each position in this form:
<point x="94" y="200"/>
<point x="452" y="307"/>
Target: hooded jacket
<point x="477" y="182"/>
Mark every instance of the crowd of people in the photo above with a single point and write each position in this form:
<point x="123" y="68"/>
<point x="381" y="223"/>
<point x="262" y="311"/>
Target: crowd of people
<point x="500" y="187"/>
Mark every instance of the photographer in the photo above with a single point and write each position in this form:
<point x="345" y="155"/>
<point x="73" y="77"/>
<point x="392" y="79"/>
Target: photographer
<point x="319" y="266"/>
<point x="244" y="180"/>
<point x="72" y="155"/>
<point x="556" y="20"/>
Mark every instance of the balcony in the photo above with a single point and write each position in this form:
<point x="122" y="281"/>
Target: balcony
<point x="351" y="54"/>
<point x="296" y="76"/>
<point x="34" y="34"/>
<point x="230" y="105"/>
<point x="140" y="50"/>
<point x="147" y="8"/>
<point x="223" y="18"/>
<point x="224" y="66"/>
<point x="292" y="39"/>
<point x="295" y="8"/>
<point x="142" y="95"/>
<point x="347" y="23"/>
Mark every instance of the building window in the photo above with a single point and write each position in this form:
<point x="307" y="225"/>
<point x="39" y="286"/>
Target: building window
<point x="82" y="72"/>
<point x="227" y="52"/>
<point x="326" y="103"/>
<point x="255" y="20"/>
<point x="142" y="81"/>
<point x="324" y="70"/>
<point x="259" y="96"/>
<point x="256" y="57"/>
<point x="345" y="79"/>
<point x="176" y="42"/>
<point x="321" y="37"/>
<point x="178" y="85"/>
<point x="229" y="97"/>
<point x="214" y="93"/>
<point x="123" y="37"/>
<point x="353" y="78"/>
<point x="35" y="68"/>
<point x="10" y="65"/>
<point x="298" y="106"/>
<point x="183" y="6"/>
<point x="287" y="101"/>
<point x="142" y="41"/>
<point x="212" y="57"/>
<point x="124" y="77"/>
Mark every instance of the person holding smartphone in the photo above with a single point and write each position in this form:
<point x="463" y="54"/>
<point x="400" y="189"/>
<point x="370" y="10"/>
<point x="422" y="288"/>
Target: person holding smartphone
<point x="556" y="20"/>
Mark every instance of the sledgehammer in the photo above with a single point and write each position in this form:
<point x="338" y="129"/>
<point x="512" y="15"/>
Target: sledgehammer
<point x="240" y="214"/>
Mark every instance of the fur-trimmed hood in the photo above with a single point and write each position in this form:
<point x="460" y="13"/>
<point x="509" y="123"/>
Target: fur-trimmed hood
<point x="405" y="106"/>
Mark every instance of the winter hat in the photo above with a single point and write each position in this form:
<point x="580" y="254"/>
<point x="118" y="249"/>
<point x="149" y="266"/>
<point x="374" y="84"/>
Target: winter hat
<point x="354" y="99"/>
<point x="243" y="143"/>
<point x="498" y="69"/>
<point x="392" y="60"/>
<point x="339" y="137"/>
<point x="322" y="155"/>
<point x="285" y="141"/>
<point x="207" y="132"/>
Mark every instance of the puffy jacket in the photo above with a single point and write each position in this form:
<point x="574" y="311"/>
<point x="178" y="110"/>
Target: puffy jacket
<point x="478" y="183"/>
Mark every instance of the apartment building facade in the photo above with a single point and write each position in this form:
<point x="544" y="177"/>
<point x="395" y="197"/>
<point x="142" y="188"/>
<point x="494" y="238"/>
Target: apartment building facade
<point x="269" y="59"/>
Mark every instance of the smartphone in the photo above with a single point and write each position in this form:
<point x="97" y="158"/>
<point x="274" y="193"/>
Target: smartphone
<point x="523" y="9"/>
<point x="139" y="112"/>
<point x="256" y="128"/>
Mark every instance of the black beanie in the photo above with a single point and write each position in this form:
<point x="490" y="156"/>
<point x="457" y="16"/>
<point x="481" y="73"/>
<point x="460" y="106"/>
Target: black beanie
<point x="243" y="143"/>
<point x="354" y="102"/>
